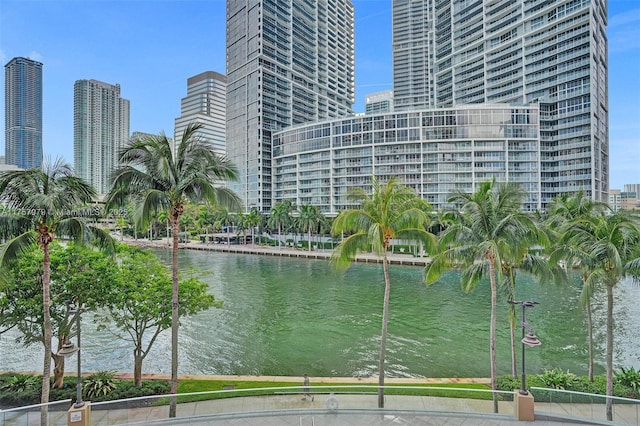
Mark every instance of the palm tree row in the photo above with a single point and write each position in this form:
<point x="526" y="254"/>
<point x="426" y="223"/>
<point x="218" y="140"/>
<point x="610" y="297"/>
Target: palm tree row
<point x="488" y="236"/>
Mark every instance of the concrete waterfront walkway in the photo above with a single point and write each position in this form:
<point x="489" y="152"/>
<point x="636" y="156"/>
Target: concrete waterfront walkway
<point x="350" y="409"/>
<point x="324" y="410"/>
<point x="394" y="258"/>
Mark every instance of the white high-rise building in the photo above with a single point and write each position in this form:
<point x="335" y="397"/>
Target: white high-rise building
<point x="550" y="52"/>
<point x="288" y="62"/>
<point x="205" y="103"/>
<point x="100" y="131"/>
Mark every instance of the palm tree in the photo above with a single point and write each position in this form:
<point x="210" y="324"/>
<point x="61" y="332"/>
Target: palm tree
<point x="162" y="179"/>
<point x="281" y="217"/>
<point x="526" y="254"/>
<point x="252" y="220"/>
<point x="612" y="245"/>
<point x="564" y="210"/>
<point x="309" y="219"/>
<point x="392" y="211"/>
<point x="480" y="238"/>
<point x="43" y="203"/>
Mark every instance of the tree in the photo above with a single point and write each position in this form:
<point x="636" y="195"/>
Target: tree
<point x="281" y="218"/>
<point x="252" y="220"/>
<point x="78" y="274"/>
<point x="564" y="210"/>
<point x="526" y="254"/>
<point x="139" y="304"/>
<point x="43" y="203"/>
<point x="392" y="211"/>
<point x="162" y="179"/>
<point x="612" y="245"/>
<point x="480" y="237"/>
<point x="309" y="219"/>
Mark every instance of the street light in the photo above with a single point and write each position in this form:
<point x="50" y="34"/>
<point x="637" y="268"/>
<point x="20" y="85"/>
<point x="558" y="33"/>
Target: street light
<point x="528" y="339"/>
<point x="69" y="349"/>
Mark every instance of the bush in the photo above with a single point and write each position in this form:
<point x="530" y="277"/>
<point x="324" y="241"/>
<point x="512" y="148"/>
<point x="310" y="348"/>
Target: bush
<point x="20" y="383"/>
<point x="507" y="383"/>
<point x="129" y="390"/>
<point x="629" y="378"/>
<point x="99" y="384"/>
<point x="558" y="378"/>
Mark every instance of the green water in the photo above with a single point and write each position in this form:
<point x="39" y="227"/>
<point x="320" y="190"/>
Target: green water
<point x="288" y="316"/>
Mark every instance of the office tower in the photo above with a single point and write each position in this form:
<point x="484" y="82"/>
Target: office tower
<point x="520" y="52"/>
<point x="205" y="103"/>
<point x="23" y="113"/>
<point x="100" y="131"/>
<point x="288" y="62"/>
<point x="378" y="102"/>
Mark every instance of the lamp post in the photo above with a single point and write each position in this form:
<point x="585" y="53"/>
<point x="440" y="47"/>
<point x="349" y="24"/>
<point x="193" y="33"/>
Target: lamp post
<point x="528" y="339"/>
<point x="69" y="349"/>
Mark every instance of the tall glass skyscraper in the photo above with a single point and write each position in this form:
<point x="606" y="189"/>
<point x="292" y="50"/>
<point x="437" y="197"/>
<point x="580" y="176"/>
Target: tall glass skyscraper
<point x="205" y="103"/>
<point x="550" y="52"/>
<point x="23" y="113"/>
<point x="288" y="62"/>
<point x="100" y="131"/>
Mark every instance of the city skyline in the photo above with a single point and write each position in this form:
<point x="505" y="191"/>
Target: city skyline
<point x="152" y="61"/>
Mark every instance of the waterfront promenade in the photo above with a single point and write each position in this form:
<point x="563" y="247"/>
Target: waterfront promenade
<point x="394" y="258"/>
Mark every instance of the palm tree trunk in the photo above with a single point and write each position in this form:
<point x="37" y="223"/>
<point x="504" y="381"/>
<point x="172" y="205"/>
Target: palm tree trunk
<point x="46" y="303"/>
<point x="309" y="237"/>
<point x="174" y="316"/>
<point x="590" y="332"/>
<point x="383" y="335"/>
<point x="492" y="332"/>
<point x="609" y="408"/>
<point x="514" y="362"/>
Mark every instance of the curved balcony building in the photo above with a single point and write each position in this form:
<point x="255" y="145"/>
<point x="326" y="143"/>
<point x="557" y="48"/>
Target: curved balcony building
<point x="434" y="151"/>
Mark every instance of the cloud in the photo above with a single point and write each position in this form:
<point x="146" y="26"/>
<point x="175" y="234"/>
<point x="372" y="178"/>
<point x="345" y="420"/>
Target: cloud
<point x="624" y="18"/>
<point x="624" y="31"/>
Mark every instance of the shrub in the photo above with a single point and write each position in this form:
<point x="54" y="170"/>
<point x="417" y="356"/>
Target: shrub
<point x="20" y="383"/>
<point x="558" y="378"/>
<point x="100" y="384"/>
<point x="507" y="383"/>
<point x="629" y="378"/>
<point x="129" y="390"/>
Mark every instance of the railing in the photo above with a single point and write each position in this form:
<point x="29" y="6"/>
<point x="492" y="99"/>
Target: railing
<point x="417" y="400"/>
<point x="30" y="414"/>
<point x="284" y="400"/>
<point x="582" y="406"/>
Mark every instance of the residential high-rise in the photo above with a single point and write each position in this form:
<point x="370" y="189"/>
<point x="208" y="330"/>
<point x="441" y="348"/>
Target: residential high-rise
<point x="288" y="62"/>
<point x="552" y="52"/>
<point x="205" y="103"/>
<point x="100" y="131"/>
<point x="378" y="102"/>
<point x="23" y="113"/>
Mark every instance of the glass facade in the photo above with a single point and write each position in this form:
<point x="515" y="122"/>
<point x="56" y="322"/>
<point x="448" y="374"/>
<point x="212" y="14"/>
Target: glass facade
<point x="551" y="52"/>
<point x="205" y="103"/>
<point x="435" y="151"/>
<point x="100" y="131"/>
<point x="288" y="62"/>
<point x="23" y="113"/>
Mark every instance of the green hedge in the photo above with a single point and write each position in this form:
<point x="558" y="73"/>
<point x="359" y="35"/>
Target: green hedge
<point x="124" y="389"/>
<point x="574" y="384"/>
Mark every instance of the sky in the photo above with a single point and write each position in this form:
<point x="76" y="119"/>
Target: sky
<point x="151" y="47"/>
